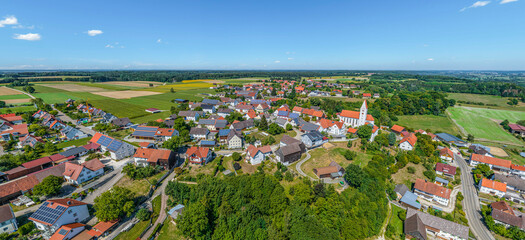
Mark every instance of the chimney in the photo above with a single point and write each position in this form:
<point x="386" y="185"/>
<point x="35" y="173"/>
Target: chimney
<point x="68" y="202"/>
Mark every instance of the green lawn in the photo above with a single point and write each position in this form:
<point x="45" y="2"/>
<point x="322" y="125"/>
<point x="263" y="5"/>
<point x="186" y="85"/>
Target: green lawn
<point x="17" y="109"/>
<point x="396" y="222"/>
<point x="134" y="232"/>
<point x="500" y="102"/>
<point x="16" y="96"/>
<point x="169" y="231"/>
<point x="434" y="123"/>
<point x="483" y="123"/>
<point x="78" y="143"/>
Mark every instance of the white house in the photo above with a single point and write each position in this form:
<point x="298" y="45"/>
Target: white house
<point x="518" y="170"/>
<point x="257" y="155"/>
<point x="446" y="154"/>
<point x="408" y="143"/>
<point x="234" y="139"/>
<point x="356" y="119"/>
<point x="313" y="139"/>
<point x="68" y="231"/>
<point x="53" y="214"/>
<point x="332" y="127"/>
<point x="432" y="192"/>
<point x="80" y="173"/>
<point x="492" y="187"/>
<point x="494" y="163"/>
<point x="117" y="149"/>
<point x="375" y="131"/>
<point x="8" y="222"/>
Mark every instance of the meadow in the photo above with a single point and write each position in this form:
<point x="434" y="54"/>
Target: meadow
<point x="500" y="102"/>
<point x="483" y="123"/>
<point x="436" y="124"/>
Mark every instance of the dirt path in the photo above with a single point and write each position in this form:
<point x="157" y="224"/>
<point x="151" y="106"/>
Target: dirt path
<point x="31" y="96"/>
<point x="387" y="220"/>
<point x="163" y="205"/>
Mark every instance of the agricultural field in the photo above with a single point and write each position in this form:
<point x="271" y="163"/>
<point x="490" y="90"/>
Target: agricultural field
<point x="500" y="102"/>
<point x="74" y="87"/>
<point x="436" y="124"/>
<point x="483" y="123"/>
<point x="7" y="91"/>
<point x="20" y="109"/>
<point x="134" y="84"/>
<point x="126" y="94"/>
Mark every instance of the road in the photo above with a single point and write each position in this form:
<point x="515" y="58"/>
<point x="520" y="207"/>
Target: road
<point x="298" y="167"/>
<point x="63" y="117"/>
<point x="471" y="201"/>
<point x="31" y="96"/>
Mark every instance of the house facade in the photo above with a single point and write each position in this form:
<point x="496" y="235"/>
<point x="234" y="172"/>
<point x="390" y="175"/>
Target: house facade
<point x="80" y="173"/>
<point x="53" y="214"/>
<point x="8" y="222"/>
<point x="492" y="187"/>
<point x="432" y="192"/>
<point x="199" y="155"/>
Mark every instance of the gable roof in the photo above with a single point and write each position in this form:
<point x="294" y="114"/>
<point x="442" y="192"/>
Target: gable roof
<point x="200" y="152"/>
<point x="491" y="160"/>
<point x="436" y="223"/>
<point x="153" y="155"/>
<point x="6" y="213"/>
<point x="397" y="128"/>
<point x="499" y="186"/>
<point x="51" y="210"/>
<point x="445" y="168"/>
<point x="411" y="139"/>
<point x="432" y="188"/>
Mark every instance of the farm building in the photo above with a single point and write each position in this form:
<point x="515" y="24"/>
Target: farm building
<point x="450" y="139"/>
<point x="152" y="110"/>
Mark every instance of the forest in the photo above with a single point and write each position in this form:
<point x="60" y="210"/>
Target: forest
<point x="258" y="207"/>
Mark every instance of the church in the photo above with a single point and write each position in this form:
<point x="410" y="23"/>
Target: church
<point x="356" y="119"/>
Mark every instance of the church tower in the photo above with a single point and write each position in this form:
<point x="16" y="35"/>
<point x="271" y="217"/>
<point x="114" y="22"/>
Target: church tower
<point x="362" y="114"/>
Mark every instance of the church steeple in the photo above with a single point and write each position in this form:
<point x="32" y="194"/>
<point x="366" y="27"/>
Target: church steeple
<point x="363" y="113"/>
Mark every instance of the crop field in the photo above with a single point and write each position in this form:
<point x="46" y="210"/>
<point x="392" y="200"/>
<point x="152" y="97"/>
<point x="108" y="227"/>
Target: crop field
<point x="8" y="91"/>
<point x="20" y="109"/>
<point x="137" y="84"/>
<point x="500" y="102"/>
<point x="47" y="77"/>
<point x="436" y="124"/>
<point x="181" y="86"/>
<point x="8" y="97"/>
<point x="126" y="94"/>
<point x="74" y="87"/>
<point x="483" y="123"/>
<point x="16" y="101"/>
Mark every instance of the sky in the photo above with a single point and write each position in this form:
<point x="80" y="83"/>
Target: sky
<point x="263" y="35"/>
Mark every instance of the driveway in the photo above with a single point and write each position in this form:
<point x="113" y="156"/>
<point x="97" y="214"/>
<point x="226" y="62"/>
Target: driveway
<point x="471" y="201"/>
<point x="298" y="167"/>
<point x="63" y="117"/>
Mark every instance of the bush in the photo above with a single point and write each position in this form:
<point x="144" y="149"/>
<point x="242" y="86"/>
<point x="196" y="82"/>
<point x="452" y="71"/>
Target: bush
<point x="26" y="228"/>
<point x="143" y="214"/>
<point x="288" y="176"/>
<point x="411" y="170"/>
<point x="349" y="155"/>
<point x="236" y="156"/>
<point x="430" y="175"/>
<point x="402" y="215"/>
<point x="236" y="166"/>
<point x="278" y="174"/>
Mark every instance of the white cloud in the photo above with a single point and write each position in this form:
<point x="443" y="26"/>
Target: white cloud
<point x="94" y="32"/>
<point x="114" y="45"/>
<point x="507" y="1"/>
<point x="476" y="5"/>
<point x="110" y="46"/>
<point x="23" y="27"/>
<point x="430" y="59"/>
<point x="159" y="40"/>
<point x="277" y="61"/>
<point x="290" y="58"/>
<point x="9" y="20"/>
<point x="28" y="36"/>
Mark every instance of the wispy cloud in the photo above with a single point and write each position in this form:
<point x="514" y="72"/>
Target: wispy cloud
<point x="476" y="5"/>
<point x="159" y="40"/>
<point x="9" y="20"/>
<point x="114" y="45"/>
<point x="28" y="36"/>
<point x="507" y="1"/>
<point x="290" y="58"/>
<point x="20" y="26"/>
<point x="277" y="61"/>
<point x="430" y="59"/>
<point x="94" y="32"/>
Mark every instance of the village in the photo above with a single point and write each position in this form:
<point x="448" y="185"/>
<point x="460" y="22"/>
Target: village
<point x="247" y="129"/>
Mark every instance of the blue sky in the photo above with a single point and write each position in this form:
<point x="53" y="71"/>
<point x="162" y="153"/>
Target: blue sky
<point x="249" y="34"/>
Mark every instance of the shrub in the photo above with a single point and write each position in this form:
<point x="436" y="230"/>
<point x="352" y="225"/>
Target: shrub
<point x="349" y="155"/>
<point x="236" y="166"/>
<point x="411" y="170"/>
<point x="143" y="214"/>
<point x="26" y="228"/>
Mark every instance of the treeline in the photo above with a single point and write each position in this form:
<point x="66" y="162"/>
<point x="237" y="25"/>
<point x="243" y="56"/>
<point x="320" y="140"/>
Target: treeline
<point x="258" y="207"/>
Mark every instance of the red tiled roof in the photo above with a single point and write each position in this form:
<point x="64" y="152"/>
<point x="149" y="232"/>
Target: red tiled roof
<point x="432" y="188"/>
<point x="165" y="132"/>
<point x="445" y="168"/>
<point x="491" y="160"/>
<point x="367" y="94"/>
<point x="144" y="144"/>
<point x="37" y="162"/>
<point x="397" y="128"/>
<point x="152" y="155"/>
<point x="502" y="206"/>
<point x="499" y="186"/>
<point x="101" y="227"/>
<point x="446" y="151"/>
<point x="91" y="146"/>
<point x="352" y="130"/>
<point x="68" y="227"/>
<point x="18" y="185"/>
<point x="411" y="138"/>
<point x="93" y="164"/>
<point x="200" y="152"/>
<point x="355" y="114"/>
<point x="21" y="129"/>
<point x="67" y="202"/>
<point x="518" y="167"/>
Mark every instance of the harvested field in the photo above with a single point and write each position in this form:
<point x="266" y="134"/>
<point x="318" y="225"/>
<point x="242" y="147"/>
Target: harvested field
<point x="13" y="101"/>
<point x="126" y="94"/>
<point x="141" y="84"/>
<point x="74" y="87"/>
<point x="8" y="91"/>
<point x="496" y="151"/>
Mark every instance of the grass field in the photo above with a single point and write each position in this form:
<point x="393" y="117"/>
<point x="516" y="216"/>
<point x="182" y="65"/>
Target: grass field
<point x="17" y="96"/>
<point x="434" y="123"/>
<point x="395" y="221"/>
<point x="134" y="232"/>
<point x="17" y="109"/>
<point x="500" y="102"/>
<point x="483" y="123"/>
<point x="78" y="143"/>
<point x="169" y="231"/>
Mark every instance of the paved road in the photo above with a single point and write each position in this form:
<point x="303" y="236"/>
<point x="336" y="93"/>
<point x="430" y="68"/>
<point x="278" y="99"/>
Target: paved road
<point x="471" y="201"/>
<point x="163" y="207"/>
<point x="298" y="167"/>
<point x="66" y="118"/>
<point x="31" y="96"/>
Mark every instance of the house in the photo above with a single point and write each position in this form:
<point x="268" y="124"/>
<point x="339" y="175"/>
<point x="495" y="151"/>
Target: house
<point x="502" y="213"/>
<point x="191" y="115"/>
<point x="207" y="143"/>
<point x="207" y="108"/>
<point x="513" y="182"/>
<point x="305" y="126"/>
<point x="199" y="133"/>
<point x="290" y="153"/>
<point x="29" y="140"/>
<point x="332" y="127"/>
<point x="419" y="225"/>
<point x="11" y="118"/>
<point x="492" y="187"/>
<point x="154" y="157"/>
<point x="234" y="139"/>
<point x="121" y="122"/>
<point x="212" y="102"/>
<point x="367" y="95"/>
<point x="152" y="110"/>
<point x="441" y="181"/>
<point x="213" y="124"/>
<point x="282" y="122"/>
<point x="356" y="119"/>
<point x="117" y="149"/>
<point x="71" y="133"/>
<point x="432" y="192"/>
<point x="242" y="125"/>
<point x="494" y="163"/>
<point x="313" y="139"/>
<point x="400" y="190"/>
<point x="334" y="170"/>
<point x="445" y="170"/>
<point x="408" y="143"/>
<point x="176" y="211"/>
<point x="446" y="154"/>
<point x="376" y="95"/>
<point x="165" y="134"/>
<point x="450" y="139"/>
<point x="53" y="214"/>
<point x="223" y="135"/>
<point x="409" y="200"/>
<point x="517" y="129"/>
<point x="480" y="149"/>
<point x="397" y="129"/>
<point x="11" y="132"/>
<point x="224" y="112"/>
<point x="102" y="229"/>
<point x="517" y="170"/>
<point x="256" y="155"/>
<point x="80" y="173"/>
<point x="199" y="155"/>
<point x="375" y="132"/>
<point x="8" y="222"/>
<point x="68" y="231"/>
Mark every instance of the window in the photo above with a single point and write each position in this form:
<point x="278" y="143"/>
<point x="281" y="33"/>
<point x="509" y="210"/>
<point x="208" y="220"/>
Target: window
<point x="5" y="229"/>
<point x="74" y="214"/>
<point x="69" y="211"/>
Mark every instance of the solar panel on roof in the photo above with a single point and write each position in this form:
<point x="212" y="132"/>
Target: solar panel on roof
<point x="115" y="145"/>
<point x="106" y="141"/>
<point x="47" y="214"/>
<point x="101" y="139"/>
<point x="62" y="232"/>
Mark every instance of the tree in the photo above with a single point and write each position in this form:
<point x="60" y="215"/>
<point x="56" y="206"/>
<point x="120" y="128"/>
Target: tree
<point x="50" y="186"/>
<point x="364" y="132"/>
<point x="113" y="204"/>
<point x="26" y="228"/>
<point x="172" y="90"/>
<point x="236" y="156"/>
<point x="263" y="124"/>
<point x="349" y="155"/>
<point x="289" y="127"/>
<point x="29" y="89"/>
<point x="275" y="129"/>
<point x="470" y="138"/>
<point x="354" y="175"/>
<point x="143" y="214"/>
<point x="2" y="104"/>
<point x="391" y="139"/>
